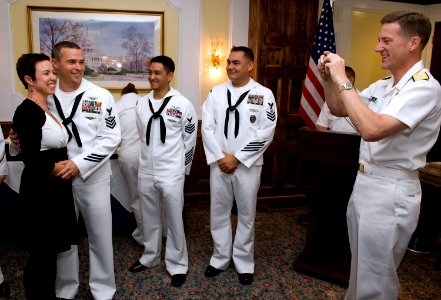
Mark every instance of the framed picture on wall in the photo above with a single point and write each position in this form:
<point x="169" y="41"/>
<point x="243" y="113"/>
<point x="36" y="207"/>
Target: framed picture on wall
<point x="117" y="44"/>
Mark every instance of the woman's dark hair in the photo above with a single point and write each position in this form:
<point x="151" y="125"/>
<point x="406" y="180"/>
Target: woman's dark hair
<point x="129" y="88"/>
<point x="26" y="65"/>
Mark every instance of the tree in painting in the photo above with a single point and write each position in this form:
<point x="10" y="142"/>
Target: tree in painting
<point x="53" y="31"/>
<point x="139" y="48"/>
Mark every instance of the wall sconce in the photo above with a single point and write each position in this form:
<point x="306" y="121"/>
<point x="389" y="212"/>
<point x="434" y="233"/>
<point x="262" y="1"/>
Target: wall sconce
<point x="216" y="56"/>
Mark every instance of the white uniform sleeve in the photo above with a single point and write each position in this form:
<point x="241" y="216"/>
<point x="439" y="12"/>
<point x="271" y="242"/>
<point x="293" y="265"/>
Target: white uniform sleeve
<point x="189" y="132"/>
<point x="213" y="150"/>
<point x="3" y="163"/>
<point x="138" y="122"/>
<point x="324" y="117"/>
<point x="107" y="139"/>
<point x="414" y="103"/>
<point x="258" y="142"/>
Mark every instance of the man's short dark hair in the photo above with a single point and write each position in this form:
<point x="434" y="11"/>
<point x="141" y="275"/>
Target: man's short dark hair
<point x="411" y="24"/>
<point x="26" y="65"/>
<point x="56" y="51"/>
<point x="166" y="61"/>
<point x="349" y="71"/>
<point x="248" y="53"/>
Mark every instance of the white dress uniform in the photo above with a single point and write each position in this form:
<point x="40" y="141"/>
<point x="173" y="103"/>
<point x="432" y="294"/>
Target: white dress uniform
<point x="255" y="130"/>
<point x="3" y="171"/>
<point x="164" y="161"/>
<point x="338" y="124"/>
<point x="99" y="134"/>
<point x="384" y="206"/>
<point x="128" y="155"/>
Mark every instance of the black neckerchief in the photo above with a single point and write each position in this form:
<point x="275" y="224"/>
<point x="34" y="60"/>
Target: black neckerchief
<point x="161" y="120"/>
<point x="69" y="120"/>
<point x="236" y="113"/>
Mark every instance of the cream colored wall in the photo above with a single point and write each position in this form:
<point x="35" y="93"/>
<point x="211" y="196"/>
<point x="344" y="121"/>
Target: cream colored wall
<point x="19" y="29"/>
<point x="345" y="34"/>
<point x="364" y="60"/>
<point x="215" y="26"/>
<point x="184" y="22"/>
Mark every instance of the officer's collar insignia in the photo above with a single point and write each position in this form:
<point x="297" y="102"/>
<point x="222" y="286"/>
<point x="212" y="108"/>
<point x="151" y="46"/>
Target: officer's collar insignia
<point x="387" y="77"/>
<point x="420" y="75"/>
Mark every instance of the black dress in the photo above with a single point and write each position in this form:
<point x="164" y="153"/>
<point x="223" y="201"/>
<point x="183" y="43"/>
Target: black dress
<point x="46" y="212"/>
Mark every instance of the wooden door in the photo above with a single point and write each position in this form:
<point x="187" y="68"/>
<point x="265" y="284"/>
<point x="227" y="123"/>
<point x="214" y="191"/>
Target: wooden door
<point x="281" y="34"/>
<point x="435" y="68"/>
<point x="435" y="64"/>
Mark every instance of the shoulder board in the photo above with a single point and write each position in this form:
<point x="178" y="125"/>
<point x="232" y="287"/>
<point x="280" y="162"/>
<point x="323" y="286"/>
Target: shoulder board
<point x="420" y="75"/>
<point x="387" y="77"/>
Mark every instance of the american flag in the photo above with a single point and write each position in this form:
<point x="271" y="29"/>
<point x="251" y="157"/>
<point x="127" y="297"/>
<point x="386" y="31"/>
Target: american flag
<point x="313" y="95"/>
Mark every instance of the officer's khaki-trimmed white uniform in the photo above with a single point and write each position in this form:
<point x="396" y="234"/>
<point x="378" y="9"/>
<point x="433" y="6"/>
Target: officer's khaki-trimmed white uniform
<point x="128" y="155"/>
<point x="98" y="126"/>
<point x="162" y="169"/>
<point x="257" y="122"/>
<point x="384" y="206"/>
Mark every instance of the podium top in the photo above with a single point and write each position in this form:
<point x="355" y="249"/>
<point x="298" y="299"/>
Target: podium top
<point x="328" y="146"/>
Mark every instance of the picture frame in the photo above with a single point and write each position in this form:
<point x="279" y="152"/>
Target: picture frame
<point x="117" y="43"/>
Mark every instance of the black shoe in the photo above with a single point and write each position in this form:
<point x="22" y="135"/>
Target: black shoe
<point x="5" y="291"/>
<point x="178" y="279"/>
<point x="246" y="278"/>
<point x="211" y="271"/>
<point x="137" y="267"/>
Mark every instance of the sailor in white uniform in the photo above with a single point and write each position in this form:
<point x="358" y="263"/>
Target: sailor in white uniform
<point x="167" y="124"/>
<point x="128" y="152"/>
<point x="399" y="126"/>
<point x="327" y="121"/>
<point x="238" y="122"/>
<point x="90" y="115"/>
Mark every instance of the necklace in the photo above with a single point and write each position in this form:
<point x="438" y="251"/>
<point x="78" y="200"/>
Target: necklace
<point x="46" y="110"/>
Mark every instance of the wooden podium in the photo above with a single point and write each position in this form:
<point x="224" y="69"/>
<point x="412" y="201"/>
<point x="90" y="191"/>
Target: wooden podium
<point x="329" y="167"/>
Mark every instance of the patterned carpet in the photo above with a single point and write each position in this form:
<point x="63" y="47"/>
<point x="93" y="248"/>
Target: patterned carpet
<point x="279" y="240"/>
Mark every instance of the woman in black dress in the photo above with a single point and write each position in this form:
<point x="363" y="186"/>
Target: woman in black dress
<point x="47" y="219"/>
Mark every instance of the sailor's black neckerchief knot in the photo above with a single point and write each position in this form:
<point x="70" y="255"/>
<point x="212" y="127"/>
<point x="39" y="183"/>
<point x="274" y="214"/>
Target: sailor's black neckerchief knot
<point x="157" y="115"/>
<point x="68" y="120"/>
<point x="236" y="113"/>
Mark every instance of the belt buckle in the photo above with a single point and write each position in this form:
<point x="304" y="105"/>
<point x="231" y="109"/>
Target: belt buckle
<point x="361" y="167"/>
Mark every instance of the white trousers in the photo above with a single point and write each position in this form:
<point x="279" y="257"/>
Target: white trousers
<point x="1" y="276"/>
<point x="129" y="163"/>
<point x="93" y="201"/>
<point x="170" y="191"/>
<point x="241" y="186"/>
<point x="382" y="214"/>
